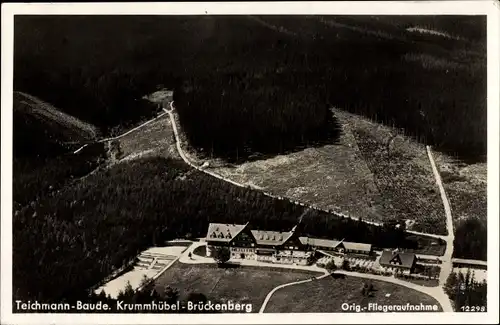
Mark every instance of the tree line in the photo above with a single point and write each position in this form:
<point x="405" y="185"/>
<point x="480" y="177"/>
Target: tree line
<point x="471" y="239"/>
<point x="466" y="292"/>
<point x="67" y="242"/>
<point x="236" y="115"/>
<point x="43" y="158"/>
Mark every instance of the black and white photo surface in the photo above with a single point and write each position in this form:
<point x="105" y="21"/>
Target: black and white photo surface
<point x="258" y="162"/>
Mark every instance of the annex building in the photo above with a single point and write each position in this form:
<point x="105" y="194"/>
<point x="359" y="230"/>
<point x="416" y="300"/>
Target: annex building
<point x="274" y="246"/>
<point x="395" y="261"/>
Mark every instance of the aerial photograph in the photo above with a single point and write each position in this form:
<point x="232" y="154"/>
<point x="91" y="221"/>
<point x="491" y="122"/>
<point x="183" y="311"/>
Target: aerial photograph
<point x="249" y="164"/>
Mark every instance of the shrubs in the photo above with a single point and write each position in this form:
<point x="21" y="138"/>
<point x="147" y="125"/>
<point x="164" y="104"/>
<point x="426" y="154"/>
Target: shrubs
<point x="221" y="254"/>
<point x="368" y="289"/>
<point x="330" y="265"/>
<point x="471" y="239"/>
<point x="346" y="266"/>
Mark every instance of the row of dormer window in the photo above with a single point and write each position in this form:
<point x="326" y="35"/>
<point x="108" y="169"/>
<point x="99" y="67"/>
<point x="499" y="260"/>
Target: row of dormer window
<point x="220" y="235"/>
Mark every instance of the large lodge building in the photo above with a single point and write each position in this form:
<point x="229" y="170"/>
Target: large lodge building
<point x="273" y="246"/>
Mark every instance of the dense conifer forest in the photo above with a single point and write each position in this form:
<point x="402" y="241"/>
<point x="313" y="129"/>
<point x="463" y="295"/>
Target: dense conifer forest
<point x="466" y="293"/>
<point x="103" y="222"/>
<point x="235" y="116"/>
<point x="471" y="240"/>
<point x="432" y="86"/>
<point x="43" y="156"/>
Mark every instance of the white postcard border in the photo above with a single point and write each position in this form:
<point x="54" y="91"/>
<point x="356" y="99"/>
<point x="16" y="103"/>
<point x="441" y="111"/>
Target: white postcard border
<point x="489" y="8"/>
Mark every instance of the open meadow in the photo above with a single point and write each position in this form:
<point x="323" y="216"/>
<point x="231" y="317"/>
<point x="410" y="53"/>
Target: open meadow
<point x="154" y="139"/>
<point x="238" y="284"/>
<point x="328" y="294"/>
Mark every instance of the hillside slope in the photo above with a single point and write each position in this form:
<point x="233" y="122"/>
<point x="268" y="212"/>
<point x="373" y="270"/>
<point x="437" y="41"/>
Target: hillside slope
<point x="40" y="129"/>
<point x="44" y="139"/>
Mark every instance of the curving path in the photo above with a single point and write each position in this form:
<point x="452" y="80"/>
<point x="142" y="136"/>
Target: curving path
<point x="270" y="294"/>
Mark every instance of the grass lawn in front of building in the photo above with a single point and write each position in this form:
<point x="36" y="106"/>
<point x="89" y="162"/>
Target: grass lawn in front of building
<point x="240" y="284"/>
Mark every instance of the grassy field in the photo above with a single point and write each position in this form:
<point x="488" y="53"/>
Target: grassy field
<point x="241" y="284"/>
<point x="154" y="139"/>
<point x="327" y="296"/>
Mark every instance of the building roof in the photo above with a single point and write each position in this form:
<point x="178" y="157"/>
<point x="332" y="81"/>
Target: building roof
<point x="357" y="246"/>
<point x="264" y="237"/>
<point x="317" y="242"/>
<point x="223" y="232"/>
<point x="406" y="259"/>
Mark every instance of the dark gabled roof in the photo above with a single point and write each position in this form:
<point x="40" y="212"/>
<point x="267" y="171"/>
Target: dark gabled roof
<point x="223" y="232"/>
<point x="407" y="259"/>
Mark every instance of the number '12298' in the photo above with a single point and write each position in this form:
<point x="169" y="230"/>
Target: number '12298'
<point x="473" y="308"/>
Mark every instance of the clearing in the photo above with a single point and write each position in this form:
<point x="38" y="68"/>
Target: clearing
<point x="333" y="177"/>
<point x="239" y="284"/>
<point x="328" y="294"/>
<point x="69" y="127"/>
<point x="373" y="172"/>
<point x="153" y="139"/>
<point x="466" y="187"/>
<point x="402" y="173"/>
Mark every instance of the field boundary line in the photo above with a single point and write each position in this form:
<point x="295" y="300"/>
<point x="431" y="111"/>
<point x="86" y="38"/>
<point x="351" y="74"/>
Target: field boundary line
<point x="270" y="294"/>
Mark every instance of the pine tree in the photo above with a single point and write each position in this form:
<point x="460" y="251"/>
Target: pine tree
<point x="171" y="295"/>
